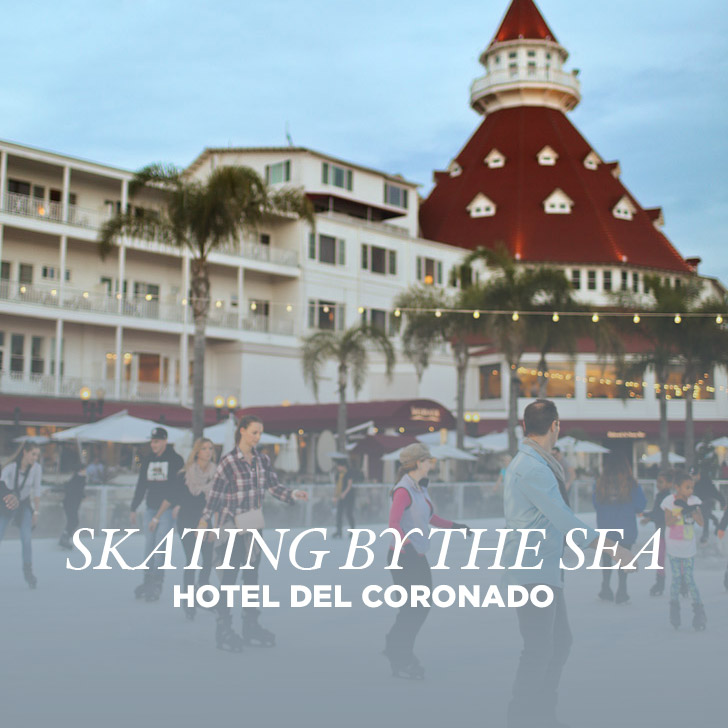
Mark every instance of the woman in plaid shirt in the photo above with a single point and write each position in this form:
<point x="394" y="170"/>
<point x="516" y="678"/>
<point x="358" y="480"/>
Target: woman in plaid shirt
<point x="236" y="498"/>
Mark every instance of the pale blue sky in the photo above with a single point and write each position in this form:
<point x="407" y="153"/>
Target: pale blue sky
<point x="379" y="83"/>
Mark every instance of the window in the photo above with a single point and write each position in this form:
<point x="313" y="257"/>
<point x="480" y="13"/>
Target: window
<point x="490" y="381"/>
<point x="17" y="353"/>
<point x="109" y="283"/>
<point x="603" y="383"/>
<point x="591" y="161"/>
<point x="50" y="273"/>
<point x="25" y="273"/>
<point x="148" y="291"/>
<point x="4" y="278"/>
<point x="52" y="356"/>
<point x="591" y="280"/>
<point x="234" y="300"/>
<point x="279" y="172"/>
<point x="559" y="380"/>
<point x="325" y="315"/>
<point x="429" y="271"/>
<point x="635" y="282"/>
<point x="531" y="68"/>
<point x="512" y="54"/>
<point x="264" y="239"/>
<point x="558" y="203"/>
<point x="380" y="319"/>
<point x="16" y="187"/>
<point x="332" y="174"/>
<point x="2" y="350"/>
<point x="495" y="160"/>
<point x="37" y="362"/>
<point x="327" y="249"/>
<point x="395" y="196"/>
<point x="481" y="206"/>
<point x="547" y="157"/>
<point x="113" y="207"/>
<point x="576" y="279"/>
<point x="607" y="280"/>
<point x="258" y="307"/>
<point x="624" y="209"/>
<point x="378" y="260"/>
<point x="531" y="54"/>
<point x="678" y="388"/>
<point x="512" y="69"/>
<point x="625" y="280"/>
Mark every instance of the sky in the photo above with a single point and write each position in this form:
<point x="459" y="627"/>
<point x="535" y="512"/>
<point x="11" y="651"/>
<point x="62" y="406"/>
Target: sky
<point x="378" y="83"/>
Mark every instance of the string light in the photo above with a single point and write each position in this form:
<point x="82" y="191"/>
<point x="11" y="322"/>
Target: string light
<point x="397" y="313"/>
<point x="515" y="316"/>
<point x="476" y="314"/>
<point x="719" y="320"/>
<point x="555" y="317"/>
<point x="678" y="319"/>
<point x="595" y="318"/>
<point x="438" y="313"/>
<point x="636" y="318"/>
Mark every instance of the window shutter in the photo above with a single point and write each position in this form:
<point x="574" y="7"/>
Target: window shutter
<point x="392" y="262"/>
<point x="364" y="256"/>
<point x="419" y="268"/>
<point x="267" y="174"/>
<point x="312" y="246"/>
<point x="439" y="273"/>
<point x="349" y="179"/>
<point x="311" y="314"/>
<point x="339" y="316"/>
<point x="341" y="258"/>
<point x="404" y="199"/>
<point x="325" y="173"/>
<point x="287" y="176"/>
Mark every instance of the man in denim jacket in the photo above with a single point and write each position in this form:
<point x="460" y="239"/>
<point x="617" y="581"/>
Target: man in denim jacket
<point x="534" y="498"/>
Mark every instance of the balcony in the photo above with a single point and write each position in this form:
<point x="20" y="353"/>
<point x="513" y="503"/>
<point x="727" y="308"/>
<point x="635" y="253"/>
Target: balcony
<point x="261" y="253"/>
<point x="28" y="206"/>
<point x="139" y="307"/>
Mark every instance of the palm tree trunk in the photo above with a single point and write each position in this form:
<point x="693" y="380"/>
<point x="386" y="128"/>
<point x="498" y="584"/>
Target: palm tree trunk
<point x="461" y="367"/>
<point x="200" y="284"/>
<point x="689" y="430"/>
<point x="543" y="382"/>
<point x="664" y="437"/>
<point x="341" y="418"/>
<point x="513" y="392"/>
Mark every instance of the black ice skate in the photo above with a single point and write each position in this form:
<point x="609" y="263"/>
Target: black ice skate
<point x="700" y="621"/>
<point x="675" y="613"/>
<point x="606" y="594"/>
<point x="254" y="634"/>
<point x="225" y="637"/>
<point x="411" y="670"/>
<point x="29" y="576"/>
<point x="658" y="587"/>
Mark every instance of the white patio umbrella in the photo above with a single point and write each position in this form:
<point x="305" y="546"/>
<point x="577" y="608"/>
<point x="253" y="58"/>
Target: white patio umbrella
<point x="288" y="460"/>
<point x="656" y="458"/>
<point x="441" y="452"/>
<point x="434" y="438"/>
<point x="720" y="442"/>
<point x="121" y="428"/>
<point x="497" y="441"/>
<point x="223" y="433"/>
<point x="571" y="444"/>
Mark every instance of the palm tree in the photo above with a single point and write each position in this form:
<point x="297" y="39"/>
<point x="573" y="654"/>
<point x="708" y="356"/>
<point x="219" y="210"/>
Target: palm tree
<point x="350" y="351"/>
<point x="516" y="289"/>
<point x="201" y="217"/>
<point x="425" y="331"/>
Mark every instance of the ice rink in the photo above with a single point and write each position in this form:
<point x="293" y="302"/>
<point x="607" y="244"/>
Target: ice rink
<point x="81" y="651"/>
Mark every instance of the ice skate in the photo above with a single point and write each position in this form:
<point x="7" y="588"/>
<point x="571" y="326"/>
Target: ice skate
<point x="154" y="589"/>
<point x="411" y="670"/>
<point x="658" y="587"/>
<point x="65" y="541"/>
<point x="675" y="613"/>
<point x="622" y="597"/>
<point x="29" y="576"/>
<point x="225" y="637"/>
<point x="254" y="634"/>
<point x="189" y="612"/>
<point x="606" y="594"/>
<point x="700" y="621"/>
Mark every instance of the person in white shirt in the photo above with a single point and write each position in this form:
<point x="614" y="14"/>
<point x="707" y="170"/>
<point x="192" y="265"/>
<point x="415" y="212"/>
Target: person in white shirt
<point x="682" y="512"/>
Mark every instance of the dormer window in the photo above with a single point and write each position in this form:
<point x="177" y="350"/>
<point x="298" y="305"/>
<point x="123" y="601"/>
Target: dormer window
<point x="455" y="169"/>
<point x="558" y="203"/>
<point x="547" y="157"/>
<point x="481" y="206"/>
<point x="591" y="161"/>
<point x="624" y="209"/>
<point x="495" y="160"/>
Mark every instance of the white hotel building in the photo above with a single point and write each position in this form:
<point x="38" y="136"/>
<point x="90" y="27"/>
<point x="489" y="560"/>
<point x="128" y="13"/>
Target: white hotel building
<point x="120" y="328"/>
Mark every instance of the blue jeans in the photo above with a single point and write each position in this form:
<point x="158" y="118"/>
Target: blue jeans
<point x="152" y="538"/>
<point x="26" y="525"/>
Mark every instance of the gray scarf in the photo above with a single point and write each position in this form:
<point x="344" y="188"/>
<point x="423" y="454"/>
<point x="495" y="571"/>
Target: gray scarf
<point x="198" y="480"/>
<point x="556" y="467"/>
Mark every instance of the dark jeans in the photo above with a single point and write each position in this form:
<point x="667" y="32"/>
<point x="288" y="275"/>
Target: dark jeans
<point x="546" y="645"/>
<point x="70" y="508"/>
<point x="400" y="640"/>
<point x="345" y="505"/>
<point x="188" y="544"/>
<point x="241" y="549"/>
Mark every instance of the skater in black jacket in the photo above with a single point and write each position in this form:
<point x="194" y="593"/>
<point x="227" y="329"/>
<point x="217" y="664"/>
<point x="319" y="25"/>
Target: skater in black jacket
<point x="707" y="492"/>
<point x="187" y="497"/>
<point x="158" y="475"/>
<point x="74" y="493"/>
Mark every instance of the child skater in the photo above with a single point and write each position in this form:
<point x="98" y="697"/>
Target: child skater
<point x="657" y="516"/>
<point x="682" y="512"/>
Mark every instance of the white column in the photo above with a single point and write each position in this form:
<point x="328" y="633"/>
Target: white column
<point x="241" y="300"/>
<point x="3" y="178"/>
<point x="58" y="354"/>
<point x="62" y="263"/>
<point x="66" y="193"/>
<point x="118" y="362"/>
<point x="184" y="364"/>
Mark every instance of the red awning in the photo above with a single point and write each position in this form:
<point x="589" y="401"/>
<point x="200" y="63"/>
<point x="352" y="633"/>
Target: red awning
<point x="414" y="415"/>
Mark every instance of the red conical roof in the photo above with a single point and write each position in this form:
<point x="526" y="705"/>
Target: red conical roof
<point x="523" y="20"/>
<point x="589" y="234"/>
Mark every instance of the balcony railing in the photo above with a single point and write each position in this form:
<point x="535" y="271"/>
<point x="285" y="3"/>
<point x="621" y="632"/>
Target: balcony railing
<point x="263" y="253"/>
<point x="524" y="75"/>
<point x="138" y="307"/>
<point x="28" y="206"/>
